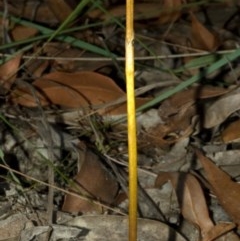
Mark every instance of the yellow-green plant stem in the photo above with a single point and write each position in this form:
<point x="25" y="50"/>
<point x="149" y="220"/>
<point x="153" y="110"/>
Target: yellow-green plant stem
<point x="132" y="137"/>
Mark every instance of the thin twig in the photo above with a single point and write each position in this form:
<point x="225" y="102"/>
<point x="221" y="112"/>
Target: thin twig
<point x="97" y="59"/>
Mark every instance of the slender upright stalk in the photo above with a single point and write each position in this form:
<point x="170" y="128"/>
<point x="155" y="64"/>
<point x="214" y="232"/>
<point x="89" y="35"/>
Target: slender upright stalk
<point x="132" y="138"/>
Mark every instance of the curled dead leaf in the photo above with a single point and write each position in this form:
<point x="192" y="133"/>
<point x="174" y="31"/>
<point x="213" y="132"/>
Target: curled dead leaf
<point x="202" y="38"/>
<point x="220" y="230"/>
<point x="8" y="73"/>
<point x="177" y="128"/>
<point x="232" y="132"/>
<point x="193" y="205"/>
<point x="191" y="198"/>
<point x="226" y="190"/>
<point x="186" y="98"/>
<point x="94" y="182"/>
<point x="178" y="112"/>
<point x="171" y="11"/>
<point x="218" y="111"/>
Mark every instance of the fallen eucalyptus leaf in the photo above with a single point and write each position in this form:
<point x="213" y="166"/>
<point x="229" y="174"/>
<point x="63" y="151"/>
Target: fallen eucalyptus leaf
<point x="191" y="198"/>
<point x="8" y="72"/>
<point x="187" y="98"/>
<point x="94" y="182"/>
<point x="218" y="112"/>
<point x="202" y="38"/>
<point x="171" y="11"/>
<point x="218" y="233"/>
<point x="232" y="132"/>
<point x="85" y="89"/>
<point x="226" y="190"/>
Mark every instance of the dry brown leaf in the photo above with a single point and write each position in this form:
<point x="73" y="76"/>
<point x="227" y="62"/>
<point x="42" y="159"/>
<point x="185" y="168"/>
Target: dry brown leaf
<point x="141" y="11"/>
<point x="193" y="205"/>
<point x="175" y="129"/>
<point x="177" y="112"/>
<point x="172" y="11"/>
<point x="202" y="38"/>
<point x="63" y="51"/>
<point x="167" y="12"/>
<point x="232" y="132"/>
<point x="94" y="182"/>
<point x="23" y="32"/>
<point x="191" y="198"/>
<point x="60" y="9"/>
<point x="186" y="98"/>
<point x="37" y="67"/>
<point x="218" y="112"/>
<point x="80" y="88"/>
<point x="226" y="190"/>
<point x="74" y="90"/>
<point x="219" y="230"/>
<point x="32" y="10"/>
<point x="8" y="73"/>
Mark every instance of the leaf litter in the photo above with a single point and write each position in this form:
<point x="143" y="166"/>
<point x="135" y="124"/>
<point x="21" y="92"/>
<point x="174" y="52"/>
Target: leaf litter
<point x="74" y="110"/>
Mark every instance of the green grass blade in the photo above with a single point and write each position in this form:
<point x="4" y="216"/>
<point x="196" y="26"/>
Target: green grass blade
<point x="198" y="63"/>
<point x="7" y="58"/>
<point x="49" y="32"/>
<point x="46" y="32"/>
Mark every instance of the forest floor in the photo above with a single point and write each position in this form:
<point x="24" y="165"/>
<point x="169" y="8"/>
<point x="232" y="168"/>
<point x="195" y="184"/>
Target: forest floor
<point x="63" y="129"/>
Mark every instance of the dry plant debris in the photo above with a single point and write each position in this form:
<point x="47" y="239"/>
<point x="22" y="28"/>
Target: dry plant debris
<point x="63" y="120"/>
